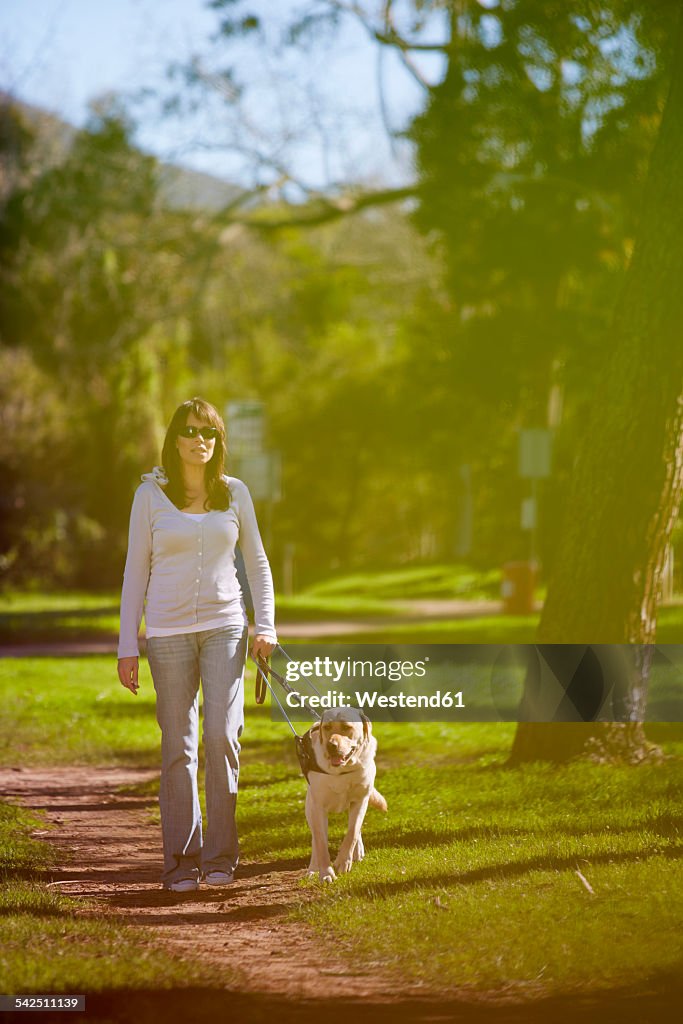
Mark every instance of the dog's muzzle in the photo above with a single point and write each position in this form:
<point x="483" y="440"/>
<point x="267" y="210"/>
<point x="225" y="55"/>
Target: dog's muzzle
<point x="337" y="759"/>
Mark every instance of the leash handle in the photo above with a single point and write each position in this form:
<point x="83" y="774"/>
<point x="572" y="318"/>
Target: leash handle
<point x="260" y="672"/>
<point x="260" y="679"/>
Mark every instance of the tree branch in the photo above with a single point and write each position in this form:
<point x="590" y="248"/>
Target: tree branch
<point x="390" y="36"/>
<point x="325" y="210"/>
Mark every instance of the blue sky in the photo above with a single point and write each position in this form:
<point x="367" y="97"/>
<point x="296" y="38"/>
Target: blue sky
<point x="60" y="54"/>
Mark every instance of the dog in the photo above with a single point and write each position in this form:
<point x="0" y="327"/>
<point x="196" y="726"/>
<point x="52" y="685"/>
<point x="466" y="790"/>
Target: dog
<point x="339" y="762"/>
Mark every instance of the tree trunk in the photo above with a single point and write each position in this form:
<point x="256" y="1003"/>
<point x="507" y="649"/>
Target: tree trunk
<point x="628" y="478"/>
<point x="605" y="742"/>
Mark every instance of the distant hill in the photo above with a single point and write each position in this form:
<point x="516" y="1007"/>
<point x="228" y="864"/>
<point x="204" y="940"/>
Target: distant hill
<point x="180" y="187"/>
<point x="184" y="189"/>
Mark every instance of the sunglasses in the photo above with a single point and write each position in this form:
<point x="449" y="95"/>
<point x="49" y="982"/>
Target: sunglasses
<point x="208" y="433"/>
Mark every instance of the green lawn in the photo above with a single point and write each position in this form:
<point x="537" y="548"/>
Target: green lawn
<point x="410" y="583"/>
<point x="30" y="617"/>
<point x="470" y="879"/>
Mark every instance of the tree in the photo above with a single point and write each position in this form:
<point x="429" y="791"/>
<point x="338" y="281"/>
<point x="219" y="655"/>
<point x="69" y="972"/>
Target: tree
<point x="115" y="306"/>
<point x="533" y="136"/>
<point x="628" y="476"/>
<point x="522" y="149"/>
<point x="82" y="290"/>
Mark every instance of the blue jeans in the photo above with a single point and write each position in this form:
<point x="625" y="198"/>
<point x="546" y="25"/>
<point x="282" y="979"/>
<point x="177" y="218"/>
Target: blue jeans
<point x="177" y="663"/>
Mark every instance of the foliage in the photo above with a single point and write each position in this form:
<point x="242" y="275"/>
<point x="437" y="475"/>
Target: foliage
<point x="387" y="361"/>
<point x="80" y="295"/>
<point x="530" y="151"/>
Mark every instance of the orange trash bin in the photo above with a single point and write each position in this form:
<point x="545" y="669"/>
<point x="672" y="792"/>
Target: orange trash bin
<point x="517" y="587"/>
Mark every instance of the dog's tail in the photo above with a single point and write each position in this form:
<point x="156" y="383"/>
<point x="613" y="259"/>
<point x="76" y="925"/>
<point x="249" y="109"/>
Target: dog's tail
<point x="378" y="801"/>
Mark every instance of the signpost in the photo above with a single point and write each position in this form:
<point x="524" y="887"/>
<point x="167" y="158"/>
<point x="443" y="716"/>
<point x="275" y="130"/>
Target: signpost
<point x="250" y="460"/>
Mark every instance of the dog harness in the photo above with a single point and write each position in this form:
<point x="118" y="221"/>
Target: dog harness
<point x="304" y="751"/>
<point x="303" y="744"/>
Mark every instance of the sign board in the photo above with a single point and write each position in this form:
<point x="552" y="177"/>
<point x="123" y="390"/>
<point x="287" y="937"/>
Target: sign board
<point x="535" y="450"/>
<point x="529" y="516"/>
<point x="245" y="423"/>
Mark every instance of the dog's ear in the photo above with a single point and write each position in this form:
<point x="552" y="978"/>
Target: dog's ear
<point x="367" y="727"/>
<point x="315" y="732"/>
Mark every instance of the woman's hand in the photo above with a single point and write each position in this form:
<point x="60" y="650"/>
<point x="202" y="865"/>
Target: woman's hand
<point x="262" y="647"/>
<point x="128" y="674"/>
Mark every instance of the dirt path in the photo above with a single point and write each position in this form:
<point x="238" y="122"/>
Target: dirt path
<point x="111" y="853"/>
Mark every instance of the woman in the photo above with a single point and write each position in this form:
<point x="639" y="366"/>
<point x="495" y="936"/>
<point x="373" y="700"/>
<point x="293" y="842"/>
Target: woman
<point x="185" y="522"/>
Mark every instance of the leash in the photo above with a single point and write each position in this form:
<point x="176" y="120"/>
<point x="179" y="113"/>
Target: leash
<point x="263" y="670"/>
<point x="304" y="747"/>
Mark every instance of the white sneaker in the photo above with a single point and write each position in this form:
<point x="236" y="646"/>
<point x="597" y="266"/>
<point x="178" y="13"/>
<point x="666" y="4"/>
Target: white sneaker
<point x="184" y="885"/>
<point x="219" y="878"/>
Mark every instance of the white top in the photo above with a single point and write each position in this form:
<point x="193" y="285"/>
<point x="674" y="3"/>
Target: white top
<point x="197" y="626"/>
<point x="174" y="630"/>
<point x="180" y="567"/>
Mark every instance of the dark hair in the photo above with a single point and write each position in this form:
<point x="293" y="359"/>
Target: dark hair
<point x="217" y="490"/>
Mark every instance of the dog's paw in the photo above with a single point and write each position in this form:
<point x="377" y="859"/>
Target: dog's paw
<point x="327" y="874"/>
<point x="359" y="851"/>
<point x="343" y="866"/>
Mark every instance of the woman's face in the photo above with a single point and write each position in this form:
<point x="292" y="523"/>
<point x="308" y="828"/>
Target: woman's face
<point x="197" y="450"/>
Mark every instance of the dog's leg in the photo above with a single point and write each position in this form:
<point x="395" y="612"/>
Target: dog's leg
<point x="345" y="857"/>
<point x="359" y="852"/>
<point x="313" y="865"/>
<point x="316" y="816"/>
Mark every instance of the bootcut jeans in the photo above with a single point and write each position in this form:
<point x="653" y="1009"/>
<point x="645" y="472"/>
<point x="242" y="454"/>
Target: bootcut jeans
<point x="177" y="663"/>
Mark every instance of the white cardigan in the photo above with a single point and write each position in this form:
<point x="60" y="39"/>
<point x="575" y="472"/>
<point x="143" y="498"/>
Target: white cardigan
<point x="181" y="571"/>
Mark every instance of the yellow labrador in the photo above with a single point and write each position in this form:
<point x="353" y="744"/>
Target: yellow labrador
<point x="341" y="774"/>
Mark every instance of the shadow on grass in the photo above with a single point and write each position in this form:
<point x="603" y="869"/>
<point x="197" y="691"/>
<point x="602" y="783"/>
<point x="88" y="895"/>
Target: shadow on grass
<point x="113" y="709"/>
<point x="136" y="757"/>
<point x="31" y="628"/>
<point x="514" y="869"/>
<point x="656" y="1000"/>
<point x="665" y="825"/>
<point x="21" y="873"/>
<point x="44" y="913"/>
<point x="378" y="837"/>
<point x="273" y="780"/>
<point x="38" y="618"/>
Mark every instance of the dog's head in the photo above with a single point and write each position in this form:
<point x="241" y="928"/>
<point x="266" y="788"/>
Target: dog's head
<point x="342" y="734"/>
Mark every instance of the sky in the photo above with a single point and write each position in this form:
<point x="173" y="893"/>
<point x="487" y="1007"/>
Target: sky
<point x="60" y="54"/>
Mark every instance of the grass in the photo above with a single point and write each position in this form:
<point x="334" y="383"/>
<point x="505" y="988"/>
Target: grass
<point x="474" y="877"/>
<point x="51" y="943"/>
<point x="74" y="710"/>
<point x="72" y="615"/>
<point x="470" y="880"/>
<point x="413" y="582"/>
<point x="33" y="616"/>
